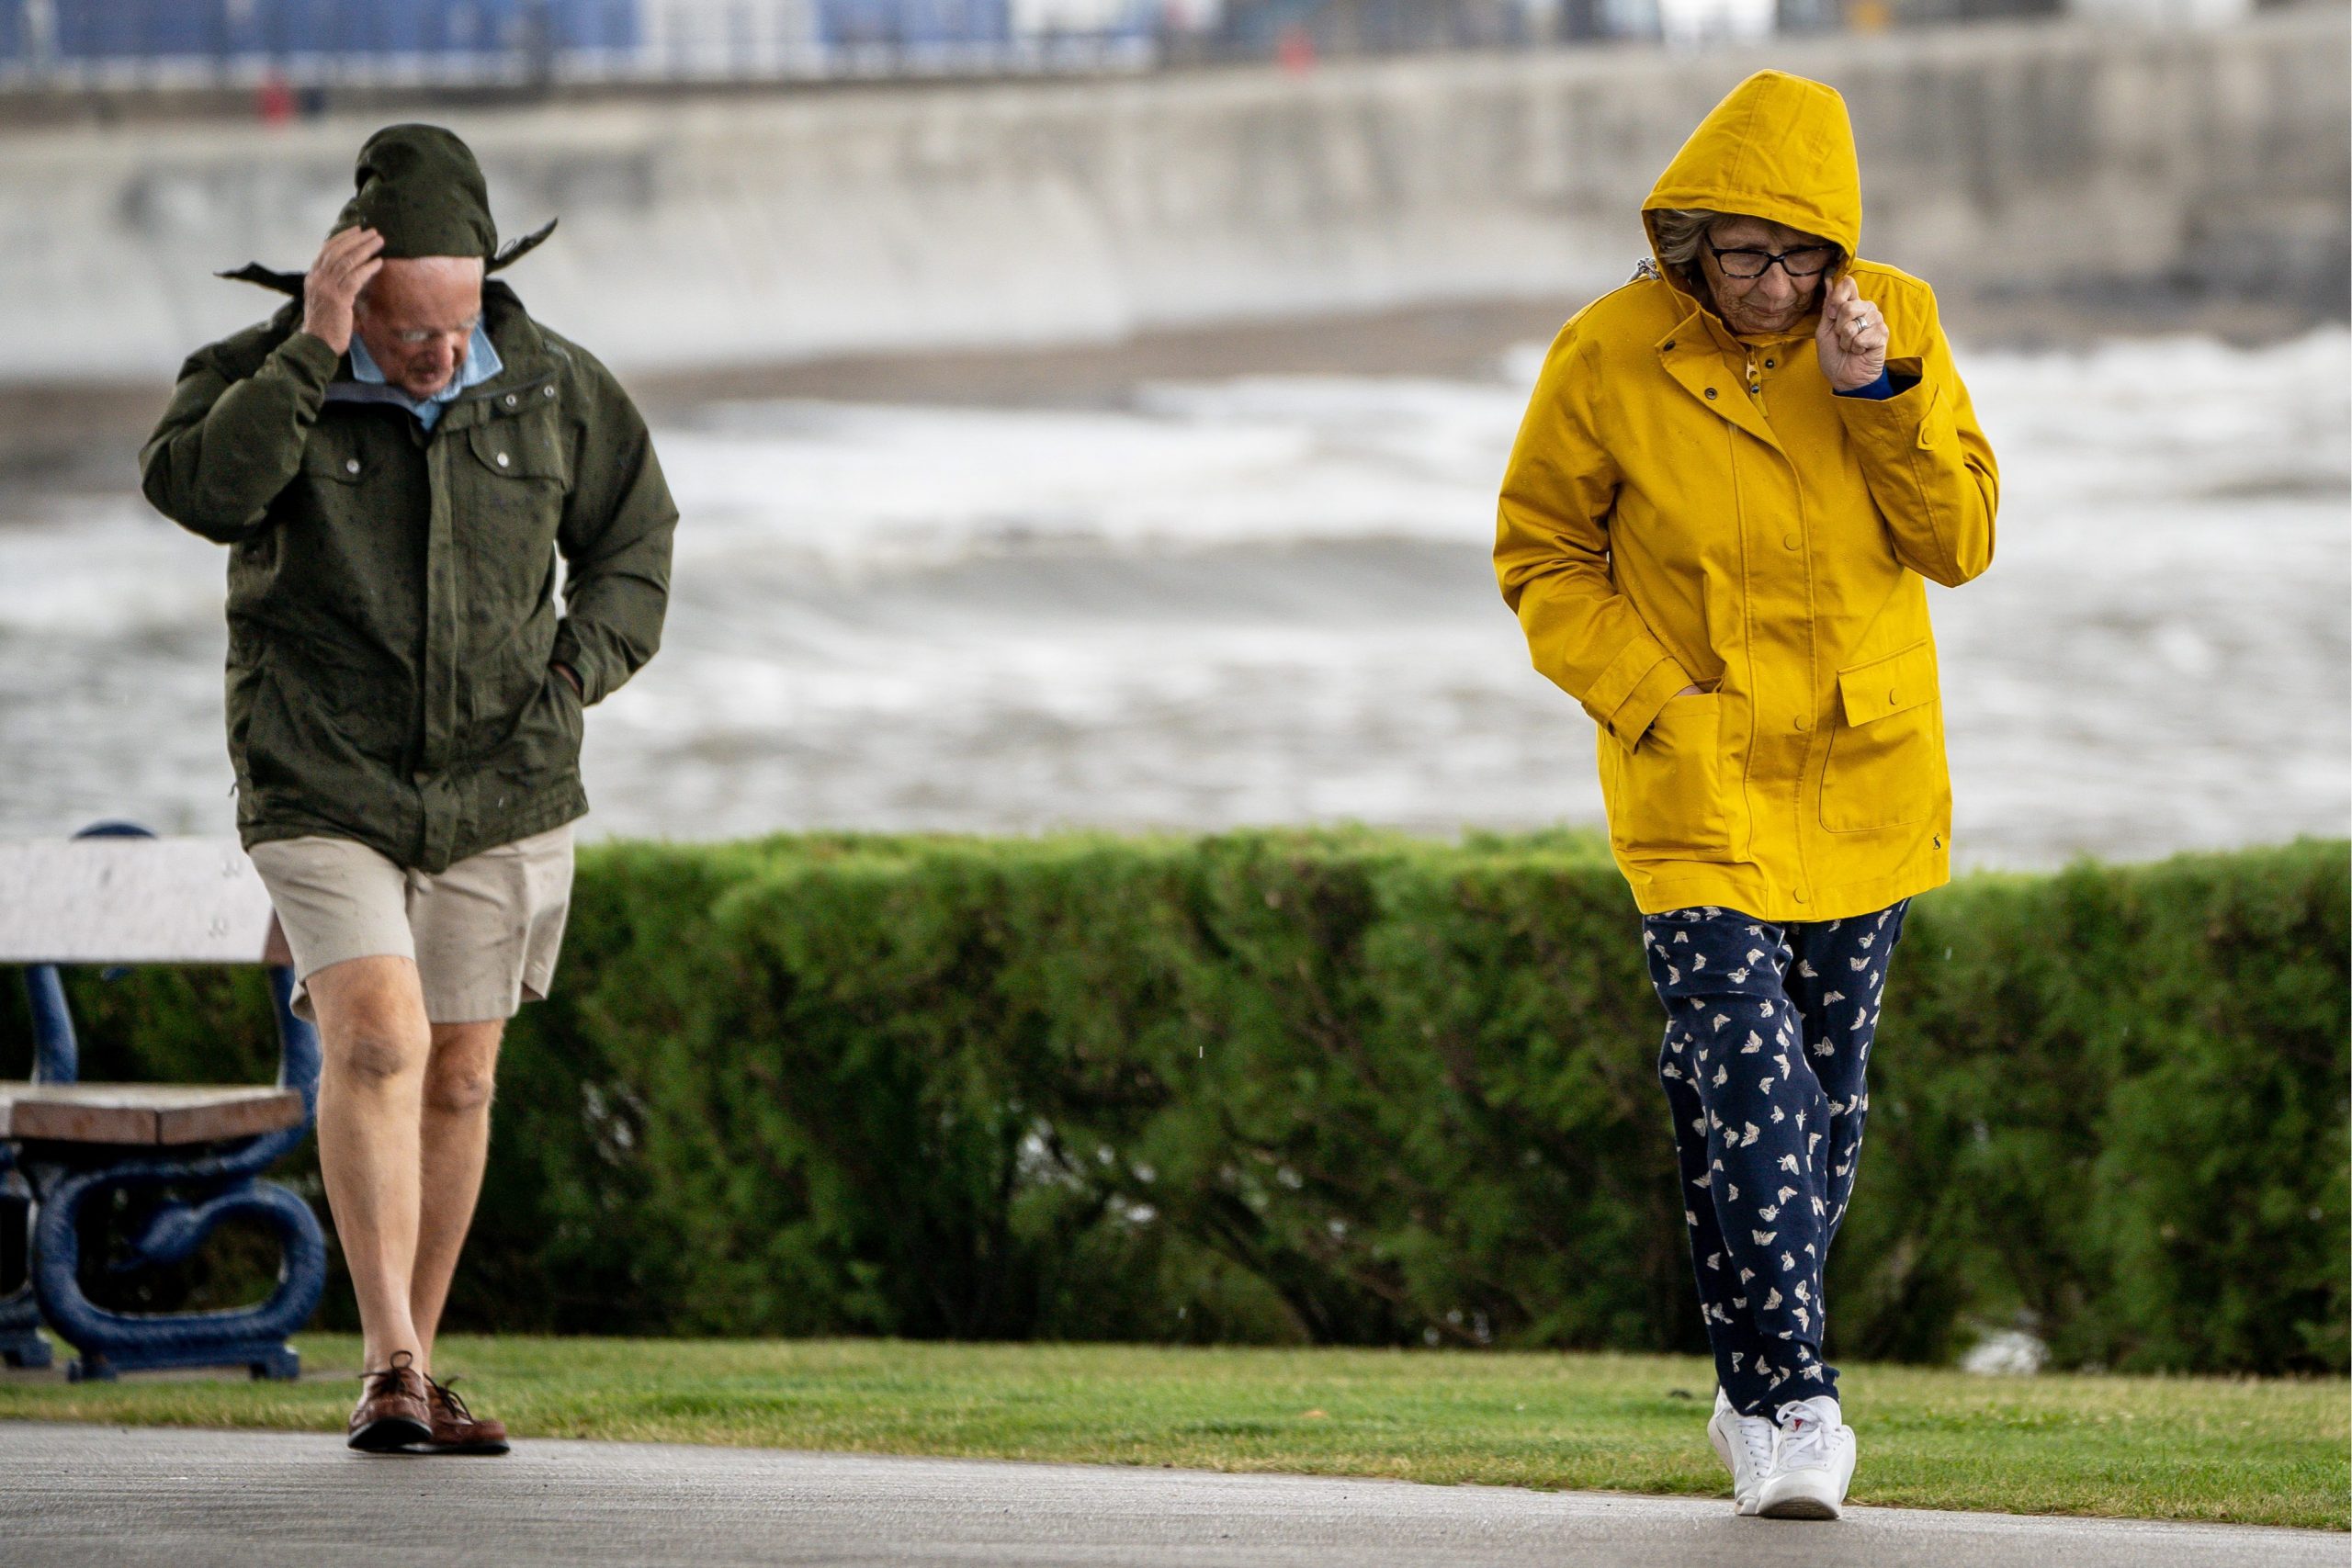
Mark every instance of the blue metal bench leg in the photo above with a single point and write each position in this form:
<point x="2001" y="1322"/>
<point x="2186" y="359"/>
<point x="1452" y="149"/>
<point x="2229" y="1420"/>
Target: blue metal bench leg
<point x="21" y="1344"/>
<point x="111" y="1342"/>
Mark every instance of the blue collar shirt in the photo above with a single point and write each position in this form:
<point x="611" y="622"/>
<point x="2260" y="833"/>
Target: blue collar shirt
<point x="482" y="363"/>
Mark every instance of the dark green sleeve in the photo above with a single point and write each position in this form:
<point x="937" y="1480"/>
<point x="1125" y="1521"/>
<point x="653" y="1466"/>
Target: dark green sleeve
<point x="615" y="542"/>
<point x="227" y="445"/>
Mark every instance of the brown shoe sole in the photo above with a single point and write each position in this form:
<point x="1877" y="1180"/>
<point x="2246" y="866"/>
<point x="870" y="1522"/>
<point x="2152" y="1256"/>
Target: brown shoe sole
<point x="389" y="1434"/>
<point x="482" y="1447"/>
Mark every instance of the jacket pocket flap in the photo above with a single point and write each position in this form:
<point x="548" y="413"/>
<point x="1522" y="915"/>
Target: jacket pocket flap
<point x="1889" y="685"/>
<point x="518" y="449"/>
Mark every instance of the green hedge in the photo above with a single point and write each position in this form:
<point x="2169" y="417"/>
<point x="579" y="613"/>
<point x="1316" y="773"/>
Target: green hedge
<point x="1364" y="1088"/>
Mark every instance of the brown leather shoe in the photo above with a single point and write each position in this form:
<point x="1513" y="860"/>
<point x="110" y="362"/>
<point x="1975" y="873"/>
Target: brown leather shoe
<point x="391" y="1412"/>
<point x="457" y="1431"/>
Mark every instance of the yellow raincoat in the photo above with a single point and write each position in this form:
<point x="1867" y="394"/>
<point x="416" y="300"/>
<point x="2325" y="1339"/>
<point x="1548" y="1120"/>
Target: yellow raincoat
<point x="1684" y="507"/>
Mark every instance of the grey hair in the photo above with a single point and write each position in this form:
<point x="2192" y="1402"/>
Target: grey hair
<point x="1680" y="232"/>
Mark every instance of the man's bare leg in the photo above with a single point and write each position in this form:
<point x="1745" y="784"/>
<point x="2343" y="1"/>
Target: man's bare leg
<point x="375" y="1043"/>
<point x="455" y="1146"/>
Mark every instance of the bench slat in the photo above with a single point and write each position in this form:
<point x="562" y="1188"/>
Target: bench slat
<point x="130" y="901"/>
<point x="143" y="1114"/>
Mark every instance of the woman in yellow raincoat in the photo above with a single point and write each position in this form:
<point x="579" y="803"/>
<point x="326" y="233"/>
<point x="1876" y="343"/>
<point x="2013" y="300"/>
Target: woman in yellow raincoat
<point x="1735" y="478"/>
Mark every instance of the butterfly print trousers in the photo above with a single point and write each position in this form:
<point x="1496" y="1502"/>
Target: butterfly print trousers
<point x="1768" y="1039"/>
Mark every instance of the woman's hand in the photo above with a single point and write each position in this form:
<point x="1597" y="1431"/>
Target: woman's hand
<point x="1851" y="339"/>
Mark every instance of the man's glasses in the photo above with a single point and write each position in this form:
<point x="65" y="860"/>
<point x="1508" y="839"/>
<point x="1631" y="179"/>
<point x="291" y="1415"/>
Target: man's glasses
<point x="1810" y="260"/>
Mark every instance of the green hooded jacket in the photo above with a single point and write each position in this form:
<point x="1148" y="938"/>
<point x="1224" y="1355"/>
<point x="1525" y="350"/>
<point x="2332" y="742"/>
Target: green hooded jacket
<point x="393" y="624"/>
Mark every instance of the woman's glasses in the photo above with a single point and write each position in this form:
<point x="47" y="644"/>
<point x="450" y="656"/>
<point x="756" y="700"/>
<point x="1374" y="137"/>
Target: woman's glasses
<point x="1809" y="261"/>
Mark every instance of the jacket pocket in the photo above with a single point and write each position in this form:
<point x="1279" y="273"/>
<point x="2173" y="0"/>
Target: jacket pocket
<point x="1885" y="767"/>
<point x="518" y="449"/>
<point x="1668" y="801"/>
<point x="333" y="460"/>
<point x="544" y="746"/>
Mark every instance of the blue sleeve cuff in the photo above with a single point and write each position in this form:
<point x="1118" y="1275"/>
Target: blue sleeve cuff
<point x="1878" y="392"/>
<point x="1885" y="386"/>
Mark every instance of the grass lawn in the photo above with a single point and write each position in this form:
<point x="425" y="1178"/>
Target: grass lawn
<point x="2149" y="1448"/>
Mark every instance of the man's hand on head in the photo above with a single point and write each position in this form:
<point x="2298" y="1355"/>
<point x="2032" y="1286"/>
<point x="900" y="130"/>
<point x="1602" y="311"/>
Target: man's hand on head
<point x="346" y="263"/>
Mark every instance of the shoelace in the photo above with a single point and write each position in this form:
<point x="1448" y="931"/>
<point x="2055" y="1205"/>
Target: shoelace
<point x="1804" y="1438"/>
<point x="393" y="1379"/>
<point x="448" y="1393"/>
<point x="1756" y="1434"/>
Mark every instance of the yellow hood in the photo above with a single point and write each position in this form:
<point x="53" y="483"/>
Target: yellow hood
<point x="1777" y="147"/>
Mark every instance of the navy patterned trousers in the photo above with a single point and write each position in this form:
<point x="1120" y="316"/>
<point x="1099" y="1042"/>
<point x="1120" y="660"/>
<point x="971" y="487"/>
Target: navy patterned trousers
<point x="1767" y="1036"/>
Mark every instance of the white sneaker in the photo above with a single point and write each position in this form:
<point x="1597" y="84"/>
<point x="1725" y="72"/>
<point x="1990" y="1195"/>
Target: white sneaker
<point x="1813" y="1462"/>
<point x="1745" y="1445"/>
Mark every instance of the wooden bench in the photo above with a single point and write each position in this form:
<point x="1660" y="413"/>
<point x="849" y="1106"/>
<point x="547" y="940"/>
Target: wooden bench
<point x="116" y="896"/>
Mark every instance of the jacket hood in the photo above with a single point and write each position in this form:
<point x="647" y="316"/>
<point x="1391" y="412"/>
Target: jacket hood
<point x="1778" y="147"/>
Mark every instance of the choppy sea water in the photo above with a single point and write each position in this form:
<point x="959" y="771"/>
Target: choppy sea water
<point x="1266" y="600"/>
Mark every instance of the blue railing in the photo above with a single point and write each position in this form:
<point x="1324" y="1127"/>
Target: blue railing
<point x="358" y="42"/>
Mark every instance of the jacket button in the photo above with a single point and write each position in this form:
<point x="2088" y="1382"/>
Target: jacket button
<point x="1711" y="393"/>
<point x="1769" y="363"/>
<point x="1804" y="723"/>
<point x="1794" y="541"/>
<point x="351" y="465"/>
<point x="1669" y="348"/>
<point x="1800" y="895"/>
<point x="1892" y="699"/>
<point x="510" y="399"/>
<point x="546" y="391"/>
<point x="502" y="460"/>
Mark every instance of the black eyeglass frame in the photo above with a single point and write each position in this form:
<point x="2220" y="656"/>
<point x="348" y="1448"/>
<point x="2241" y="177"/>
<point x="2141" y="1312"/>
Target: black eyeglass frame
<point x="1772" y="259"/>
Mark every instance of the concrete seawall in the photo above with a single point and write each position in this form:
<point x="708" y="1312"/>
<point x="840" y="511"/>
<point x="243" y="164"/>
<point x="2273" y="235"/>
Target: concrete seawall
<point x="708" y="232"/>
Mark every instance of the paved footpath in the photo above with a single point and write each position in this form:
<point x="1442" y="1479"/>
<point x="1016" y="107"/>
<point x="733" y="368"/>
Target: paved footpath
<point x="135" y="1497"/>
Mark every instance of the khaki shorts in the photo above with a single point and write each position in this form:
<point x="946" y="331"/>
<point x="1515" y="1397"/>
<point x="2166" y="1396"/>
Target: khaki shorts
<point x="483" y="934"/>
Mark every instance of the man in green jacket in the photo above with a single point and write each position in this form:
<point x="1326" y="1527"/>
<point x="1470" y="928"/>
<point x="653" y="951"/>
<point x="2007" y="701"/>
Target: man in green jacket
<point x="396" y="461"/>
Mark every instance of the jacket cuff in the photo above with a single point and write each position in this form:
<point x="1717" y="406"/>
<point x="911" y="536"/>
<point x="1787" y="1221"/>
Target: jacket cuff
<point x="1899" y="413"/>
<point x="1633" y="714"/>
<point x="1877" y="391"/>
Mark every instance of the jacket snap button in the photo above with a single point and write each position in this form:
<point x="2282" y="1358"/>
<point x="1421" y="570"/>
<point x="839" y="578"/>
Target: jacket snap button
<point x="1804" y="723"/>
<point x="546" y="391"/>
<point x="1769" y="363"/>
<point x="351" y="465"/>
<point x="1793" y="541"/>
<point x="510" y="399"/>
<point x="1710" y="392"/>
<point x="502" y="460"/>
<point x="1892" y="699"/>
<point x="1669" y="346"/>
<point x="1800" y="895"/>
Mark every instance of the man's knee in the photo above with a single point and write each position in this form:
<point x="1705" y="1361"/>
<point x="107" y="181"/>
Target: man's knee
<point x="371" y="1018"/>
<point x="462" y="1074"/>
<point x="455" y="1091"/>
<point x="375" y="1051"/>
